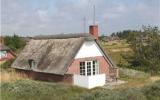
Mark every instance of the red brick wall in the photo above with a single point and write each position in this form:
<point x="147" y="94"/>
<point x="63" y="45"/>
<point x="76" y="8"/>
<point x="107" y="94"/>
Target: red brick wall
<point x="103" y="65"/>
<point x="67" y="78"/>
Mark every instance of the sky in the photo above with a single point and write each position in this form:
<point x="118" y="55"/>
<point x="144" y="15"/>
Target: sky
<point x="47" y="17"/>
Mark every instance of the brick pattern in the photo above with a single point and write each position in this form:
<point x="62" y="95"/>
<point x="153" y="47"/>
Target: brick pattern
<point x="67" y="78"/>
<point x="103" y="65"/>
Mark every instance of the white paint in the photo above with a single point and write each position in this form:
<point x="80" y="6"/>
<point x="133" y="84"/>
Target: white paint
<point x="89" y="49"/>
<point x="89" y="81"/>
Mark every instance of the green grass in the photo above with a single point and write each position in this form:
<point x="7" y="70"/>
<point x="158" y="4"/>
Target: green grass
<point x="115" y="44"/>
<point x="117" y="56"/>
<point x="37" y="90"/>
<point x="150" y="92"/>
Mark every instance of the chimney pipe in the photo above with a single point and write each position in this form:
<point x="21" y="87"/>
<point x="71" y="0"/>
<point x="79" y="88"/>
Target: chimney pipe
<point x="93" y="30"/>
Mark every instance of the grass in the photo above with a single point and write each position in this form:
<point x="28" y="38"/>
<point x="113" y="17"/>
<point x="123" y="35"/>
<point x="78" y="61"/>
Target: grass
<point x="115" y="44"/>
<point x="144" y="93"/>
<point x="37" y="90"/>
<point x="8" y="76"/>
<point x="116" y="50"/>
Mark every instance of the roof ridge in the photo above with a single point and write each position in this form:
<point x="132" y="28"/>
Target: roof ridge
<point x="63" y="36"/>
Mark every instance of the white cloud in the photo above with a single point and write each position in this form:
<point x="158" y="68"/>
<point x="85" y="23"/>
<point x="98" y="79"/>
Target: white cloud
<point x="57" y="16"/>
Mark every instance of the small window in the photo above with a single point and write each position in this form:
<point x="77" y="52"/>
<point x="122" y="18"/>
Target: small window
<point x="88" y="68"/>
<point x="31" y="63"/>
<point x="82" y="68"/>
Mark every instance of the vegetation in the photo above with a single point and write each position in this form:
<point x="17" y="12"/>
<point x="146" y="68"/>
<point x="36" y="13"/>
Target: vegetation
<point x="125" y="34"/>
<point x="6" y="64"/>
<point x="125" y="94"/>
<point x="14" y="42"/>
<point x="145" y="47"/>
<point x="33" y="90"/>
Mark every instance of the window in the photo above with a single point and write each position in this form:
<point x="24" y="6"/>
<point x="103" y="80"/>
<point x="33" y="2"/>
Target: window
<point x="89" y="68"/>
<point x="95" y="67"/>
<point x="31" y="63"/>
<point x="82" y="68"/>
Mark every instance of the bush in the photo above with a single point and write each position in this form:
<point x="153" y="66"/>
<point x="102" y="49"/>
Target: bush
<point x="152" y="92"/>
<point x="14" y="42"/>
<point x="130" y="73"/>
<point x="7" y="64"/>
<point x="37" y="90"/>
<point x="130" y="94"/>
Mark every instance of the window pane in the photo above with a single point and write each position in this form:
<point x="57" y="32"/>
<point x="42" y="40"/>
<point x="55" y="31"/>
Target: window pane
<point x="93" y="62"/>
<point x="82" y="68"/>
<point x="88" y="68"/>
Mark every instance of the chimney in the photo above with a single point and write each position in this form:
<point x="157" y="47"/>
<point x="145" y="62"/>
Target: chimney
<point x="93" y="30"/>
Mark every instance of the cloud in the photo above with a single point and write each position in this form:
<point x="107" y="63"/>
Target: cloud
<point x="33" y="17"/>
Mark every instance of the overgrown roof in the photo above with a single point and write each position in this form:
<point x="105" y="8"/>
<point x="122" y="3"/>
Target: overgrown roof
<point x="4" y="47"/>
<point x="52" y="54"/>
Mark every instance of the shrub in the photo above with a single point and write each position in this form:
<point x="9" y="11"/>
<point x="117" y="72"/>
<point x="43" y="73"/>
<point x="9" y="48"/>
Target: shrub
<point x="152" y="92"/>
<point x="124" y="72"/>
<point x="7" y="64"/>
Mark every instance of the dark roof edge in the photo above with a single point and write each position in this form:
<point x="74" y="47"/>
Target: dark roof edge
<point x="62" y="36"/>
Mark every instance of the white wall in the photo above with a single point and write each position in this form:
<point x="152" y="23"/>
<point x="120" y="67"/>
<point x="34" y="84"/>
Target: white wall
<point x="89" y="49"/>
<point x="89" y="81"/>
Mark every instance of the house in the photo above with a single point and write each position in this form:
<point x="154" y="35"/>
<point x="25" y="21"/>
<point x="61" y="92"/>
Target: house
<point x="6" y="53"/>
<point x="74" y="58"/>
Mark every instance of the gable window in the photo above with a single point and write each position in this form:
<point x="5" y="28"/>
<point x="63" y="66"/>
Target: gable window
<point x="89" y="68"/>
<point x="32" y="63"/>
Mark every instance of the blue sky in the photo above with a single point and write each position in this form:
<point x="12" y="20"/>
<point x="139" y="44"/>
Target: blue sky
<point x="34" y="17"/>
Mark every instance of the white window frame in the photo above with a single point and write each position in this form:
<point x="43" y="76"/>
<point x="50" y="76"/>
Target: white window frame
<point x="91" y="68"/>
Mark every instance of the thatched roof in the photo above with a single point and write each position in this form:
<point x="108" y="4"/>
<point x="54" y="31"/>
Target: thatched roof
<point x="4" y="47"/>
<point x="51" y="54"/>
<point x="63" y="36"/>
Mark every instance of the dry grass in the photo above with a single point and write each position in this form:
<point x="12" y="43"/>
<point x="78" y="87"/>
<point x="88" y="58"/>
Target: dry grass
<point x="121" y="50"/>
<point x="1" y="62"/>
<point x="154" y="78"/>
<point x="6" y="76"/>
<point x="138" y="82"/>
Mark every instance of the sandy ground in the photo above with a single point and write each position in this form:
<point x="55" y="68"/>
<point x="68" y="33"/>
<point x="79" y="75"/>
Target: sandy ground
<point x="120" y="50"/>
<point x="111" y="85"/>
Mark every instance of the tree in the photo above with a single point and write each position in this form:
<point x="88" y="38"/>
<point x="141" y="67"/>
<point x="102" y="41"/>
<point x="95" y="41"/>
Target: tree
<point x="14" y="42"/>
<point x="146" y="47"/>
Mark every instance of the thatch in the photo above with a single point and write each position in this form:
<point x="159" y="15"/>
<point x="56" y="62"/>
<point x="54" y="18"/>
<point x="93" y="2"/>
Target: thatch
<point x="52" y="54"/>
<point x="63" y="36"/>
<point x="3" y="47"/>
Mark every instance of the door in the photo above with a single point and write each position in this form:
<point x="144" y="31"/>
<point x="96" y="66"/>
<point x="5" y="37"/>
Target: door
<point x="89" y="68"/>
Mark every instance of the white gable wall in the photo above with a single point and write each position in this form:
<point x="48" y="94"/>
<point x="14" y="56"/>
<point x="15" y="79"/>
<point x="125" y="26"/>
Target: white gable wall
<point x="89" y="49"/>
